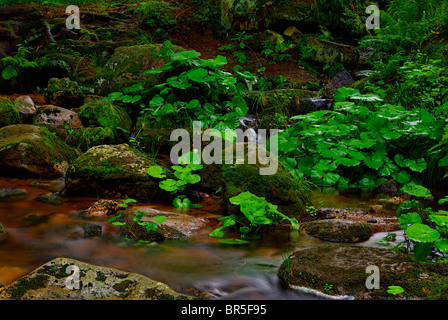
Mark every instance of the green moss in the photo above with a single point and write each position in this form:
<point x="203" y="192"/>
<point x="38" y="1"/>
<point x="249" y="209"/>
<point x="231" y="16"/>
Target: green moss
<point x="43" y="149"/>
<point x="8" y="113"/>
<point x="106" y="115"/>
<point x="22" y="285"/>
<point x="123" y="285"/>
<point x="94" y="136"/>
<point x="55" y="271"/>
<point x="100" y="276"/>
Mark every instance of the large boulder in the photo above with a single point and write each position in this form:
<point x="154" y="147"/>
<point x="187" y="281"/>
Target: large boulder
<point x="112" y="171"/>
<point x="342" y="270"/>
<point x="126" y="65"/>
<point x="33" y="151"/>
<point x="69" y="279"/>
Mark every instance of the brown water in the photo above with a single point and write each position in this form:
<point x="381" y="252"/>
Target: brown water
<point x="40" y="232"/>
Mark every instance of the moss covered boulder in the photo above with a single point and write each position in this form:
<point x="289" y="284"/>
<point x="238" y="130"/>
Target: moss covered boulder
<point x="341" y="270"/>
<point x="106" y="115"/>
<point x="126" y="65"/>
<point x="339" y="230"/>
<point x="8" y="113"/>
<point x="276" y="184"/>
<point x="63" y="93"/>
<point x="112" y="171"/>
<point x="27" y="150"/>
<point x="56" y="280"/>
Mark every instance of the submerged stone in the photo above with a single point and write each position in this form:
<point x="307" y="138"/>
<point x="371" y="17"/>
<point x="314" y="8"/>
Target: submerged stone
<point x="339" y="230"/>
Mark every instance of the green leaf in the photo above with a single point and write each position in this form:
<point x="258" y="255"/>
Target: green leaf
<point x="9" y="72"/>
<point x="343" y="93"/>
<point x="419" y="232"/>
<point x="114" y="218"/>
<point x="216" y="62"/>
<point x="440" y="219"/>
<point x="169" y="185"/>
<point x="159" y="219"/>
<point x="402" y="177"/>
<point x="197" y="74"/>
<point x="442" y="245"/>
<point x="156" y="171"/>
<point x="409" y="219"/>
<point x="395" y="290"/>
<point x="416" y="190"/>
<point x="422" y="250"/>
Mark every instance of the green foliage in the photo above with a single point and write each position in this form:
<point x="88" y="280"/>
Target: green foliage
<point x="425" y="229"/>
<point x="11" y="65"/>
<point x="358" y="146"/>
<point x="150" y="226"/>
<point x="178" y="178"/>
<point x="257" y="213"/>
<point x="156" y="16"/>
<point x="240" y="49"/>
<point x="197" y="93"/>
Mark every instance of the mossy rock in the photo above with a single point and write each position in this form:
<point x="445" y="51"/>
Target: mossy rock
<point x="133" y="231"/>
<point x="64" y="93"/>
<point x="341" y="270"/>
<point x="126" y="65"/>
<point x="339" y="230"/>
<point x="59" y="120"/>
<point x="112" y="171"/>
<point x="49" y="282"/>
<point x="106" y="115"/>
<point x="27" y="150"/>
<point x="273" y="181"/>
<point x="8" y="113"/>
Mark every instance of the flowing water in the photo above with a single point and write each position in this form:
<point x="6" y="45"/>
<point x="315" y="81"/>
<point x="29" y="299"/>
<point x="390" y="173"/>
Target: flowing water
<point x="40" y="231"/>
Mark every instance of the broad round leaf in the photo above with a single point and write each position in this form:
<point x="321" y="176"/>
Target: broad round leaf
<point x="422" y="233"/>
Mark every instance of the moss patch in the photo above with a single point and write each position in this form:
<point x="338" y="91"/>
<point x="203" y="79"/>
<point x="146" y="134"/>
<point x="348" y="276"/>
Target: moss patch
<point x="8" y="113"/>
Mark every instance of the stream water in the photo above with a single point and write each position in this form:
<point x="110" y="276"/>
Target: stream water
<point x="40" y="231"/>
